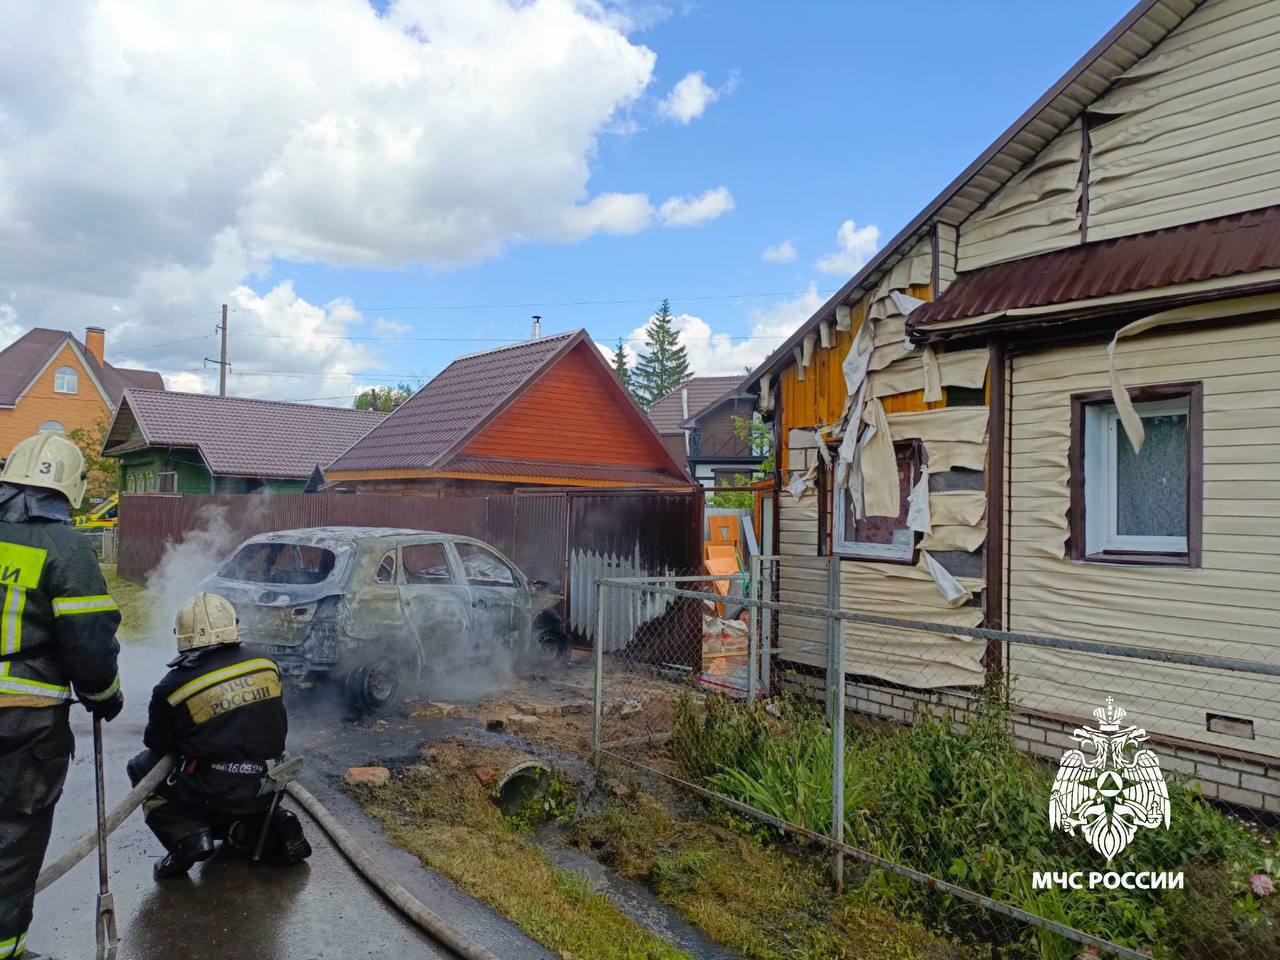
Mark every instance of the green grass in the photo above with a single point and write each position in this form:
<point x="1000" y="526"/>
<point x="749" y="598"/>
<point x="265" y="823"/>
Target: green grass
<point x="439" y="812"/>
<point x="746" y="892"/>
<point x="132" y="600"/>
<point x="971" y="809"/>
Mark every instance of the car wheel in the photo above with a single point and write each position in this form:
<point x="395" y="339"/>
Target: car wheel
<point x="374" y="686"/>
<point x="551" y="644"/>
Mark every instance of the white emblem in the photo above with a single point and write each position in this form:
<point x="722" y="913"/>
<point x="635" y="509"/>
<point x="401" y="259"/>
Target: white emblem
<point x="1112" y="792"/>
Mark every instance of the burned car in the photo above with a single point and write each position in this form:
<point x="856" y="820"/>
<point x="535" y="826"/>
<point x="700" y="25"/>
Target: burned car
<point x="373" y="606"/>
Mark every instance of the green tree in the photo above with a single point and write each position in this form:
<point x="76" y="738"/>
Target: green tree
<point x="385" y="399"/>
<point x="621" y="368"/>
<point x="102" y="474"/>
<point x="664" y="365"/>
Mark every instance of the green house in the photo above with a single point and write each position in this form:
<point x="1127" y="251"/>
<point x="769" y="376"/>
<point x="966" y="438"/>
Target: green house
<point x="177" y="443"/>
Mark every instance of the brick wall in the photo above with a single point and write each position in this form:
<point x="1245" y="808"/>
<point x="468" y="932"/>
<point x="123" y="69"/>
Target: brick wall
<point x="1236" y="778"/>
<point x="40" y="403"/>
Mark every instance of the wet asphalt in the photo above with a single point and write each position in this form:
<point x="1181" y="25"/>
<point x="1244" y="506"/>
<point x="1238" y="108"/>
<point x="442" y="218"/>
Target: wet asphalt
<point x="228" y="908"/>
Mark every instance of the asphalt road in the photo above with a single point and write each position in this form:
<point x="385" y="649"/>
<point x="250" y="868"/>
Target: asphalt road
<point x="226" y="908"/>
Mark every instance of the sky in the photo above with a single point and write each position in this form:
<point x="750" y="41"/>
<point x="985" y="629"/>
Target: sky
<point x="377" y="188"/>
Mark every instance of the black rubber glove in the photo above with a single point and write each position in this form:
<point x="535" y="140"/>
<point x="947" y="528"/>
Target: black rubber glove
<point x="106" y="710"/>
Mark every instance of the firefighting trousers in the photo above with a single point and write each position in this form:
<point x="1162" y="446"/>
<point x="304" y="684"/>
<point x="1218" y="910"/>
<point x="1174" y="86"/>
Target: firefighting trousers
<point x="194" y="800"/>
<point x="36" y="745"/>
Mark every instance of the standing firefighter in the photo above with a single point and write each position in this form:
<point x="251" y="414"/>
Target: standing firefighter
<point x="220" y="711"/>
<point x="57" y="643"/>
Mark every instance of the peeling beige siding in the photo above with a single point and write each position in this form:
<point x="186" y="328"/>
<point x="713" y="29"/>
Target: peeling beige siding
<point x="1196" y="132"/>
<point x="1228" y="608"/>
<point x="946" y="256"/>
<point x="1038" y="210"/>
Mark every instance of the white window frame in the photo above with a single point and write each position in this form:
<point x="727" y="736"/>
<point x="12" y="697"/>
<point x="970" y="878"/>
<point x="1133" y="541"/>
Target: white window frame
<point x="53" y="426"/>
<point x="61" y="376"/>
<point x="1102" y="432"/>
<point x="892" y="552"/>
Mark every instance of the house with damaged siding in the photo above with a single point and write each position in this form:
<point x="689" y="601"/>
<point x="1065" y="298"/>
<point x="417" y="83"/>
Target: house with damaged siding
<point x="1048" y="405"/>
<point x="547" y="413"/>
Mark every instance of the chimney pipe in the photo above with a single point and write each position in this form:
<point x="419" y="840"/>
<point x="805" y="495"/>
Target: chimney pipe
<point x="537" y="327"/>
<point x="95" y="341"/>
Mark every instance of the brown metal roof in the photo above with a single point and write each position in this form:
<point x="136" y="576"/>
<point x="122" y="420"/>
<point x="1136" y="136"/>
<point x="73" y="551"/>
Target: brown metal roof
<point x="1221" y="247"/>
<point x="668" y="414"/>
<point x="22" y="361"/>
<point x="239" y="437"/>
<point x="1144" y="26"/>
<point x="436" y="420"/>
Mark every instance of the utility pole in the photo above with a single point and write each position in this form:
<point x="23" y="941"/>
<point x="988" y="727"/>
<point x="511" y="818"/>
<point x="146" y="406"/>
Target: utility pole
<point x="222" y="363"/>
<point x="222" y="367"/>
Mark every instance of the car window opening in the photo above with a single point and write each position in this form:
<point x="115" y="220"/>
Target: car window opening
<point x="280" y="563"/>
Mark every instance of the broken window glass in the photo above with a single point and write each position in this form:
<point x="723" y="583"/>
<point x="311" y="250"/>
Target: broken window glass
<point x="279" y="563"/>
<point x="387" y="569"/>
<point x="426" y="563"/>
<point x="484" y="568"/>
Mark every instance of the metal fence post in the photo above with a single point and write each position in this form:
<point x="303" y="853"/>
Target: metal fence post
<point x="766" y="629"/>
<point x="597" y="717"/>
<point x="753" y="627"/>
<point x="835" y="680"/>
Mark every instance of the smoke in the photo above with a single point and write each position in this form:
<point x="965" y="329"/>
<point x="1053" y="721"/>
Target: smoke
<point x="186" y="564"/>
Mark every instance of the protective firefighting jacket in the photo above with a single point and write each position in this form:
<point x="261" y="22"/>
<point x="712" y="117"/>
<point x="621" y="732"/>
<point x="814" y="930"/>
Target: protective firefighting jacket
<point x="218" y="707"/>
<point x="57" y="621"/>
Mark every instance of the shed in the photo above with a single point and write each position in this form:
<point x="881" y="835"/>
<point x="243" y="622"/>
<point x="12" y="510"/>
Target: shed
<point x="547" y="412"/>
<point x="169" y="442"/>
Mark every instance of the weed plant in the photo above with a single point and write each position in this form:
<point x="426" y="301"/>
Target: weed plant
<point x="968" y="807"/>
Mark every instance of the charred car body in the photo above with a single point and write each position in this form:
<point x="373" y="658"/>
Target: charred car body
<point x="373" y="605"/>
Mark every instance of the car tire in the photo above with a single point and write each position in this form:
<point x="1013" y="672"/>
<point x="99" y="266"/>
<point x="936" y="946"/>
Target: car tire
<point x="550" y="646"/>
<point x="375" y="686"/>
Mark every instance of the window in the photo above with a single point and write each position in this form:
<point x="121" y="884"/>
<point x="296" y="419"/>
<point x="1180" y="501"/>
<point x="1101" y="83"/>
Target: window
<point x="66" y="380"/>
<point x="426" y="563"/>
<point x="880" y="538"/>
<point x="483" y="567"/>
<point x="282" y="563"/>
<point x="1140" y="507"/>
<point x="387" y="568"/>
<point x="53" y="426"/>
<point x="167" y="482"/>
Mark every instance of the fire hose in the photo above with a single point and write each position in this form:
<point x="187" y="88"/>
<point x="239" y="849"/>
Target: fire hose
<point x="360" y="858"/>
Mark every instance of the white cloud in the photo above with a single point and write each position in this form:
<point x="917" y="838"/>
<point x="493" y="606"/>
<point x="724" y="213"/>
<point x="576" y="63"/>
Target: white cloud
<point x="714" y="354"/>
<point x="784" y="252"/>
<point x="153" y="156"/>
<point x="695" y="211"/>
<point x="390" y="327"/>
<point x="688" y="99"/>
<point x="857" y="245"/>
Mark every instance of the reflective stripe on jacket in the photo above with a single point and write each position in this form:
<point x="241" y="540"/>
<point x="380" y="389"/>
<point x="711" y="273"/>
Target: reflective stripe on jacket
<point x="57" y="621"/>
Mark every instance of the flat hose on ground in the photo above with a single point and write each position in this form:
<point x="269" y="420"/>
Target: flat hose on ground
<point x="386" y="884"/>
<point x="89" y="842"/>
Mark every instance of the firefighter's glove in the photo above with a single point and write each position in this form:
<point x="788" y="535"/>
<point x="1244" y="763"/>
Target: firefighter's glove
<point x="105" y="710"/>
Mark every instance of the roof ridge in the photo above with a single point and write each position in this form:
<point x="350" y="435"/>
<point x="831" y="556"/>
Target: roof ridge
<point x="512" y="346"/>
<point x="278" y="403"/>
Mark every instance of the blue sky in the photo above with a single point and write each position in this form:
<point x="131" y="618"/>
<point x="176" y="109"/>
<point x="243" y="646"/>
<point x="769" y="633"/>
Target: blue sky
<point x="826" y="112"/>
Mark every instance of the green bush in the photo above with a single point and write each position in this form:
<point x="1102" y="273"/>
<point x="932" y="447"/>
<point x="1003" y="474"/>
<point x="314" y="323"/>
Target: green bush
<point x="969" y="808"/>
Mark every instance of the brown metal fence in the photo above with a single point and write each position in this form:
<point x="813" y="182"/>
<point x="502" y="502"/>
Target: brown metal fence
<point x="558" y="537"/>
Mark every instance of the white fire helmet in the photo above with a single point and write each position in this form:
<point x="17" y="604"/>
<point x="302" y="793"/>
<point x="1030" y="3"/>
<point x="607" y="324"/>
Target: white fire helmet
<point x="205" y="620"/>
<point x="50" y="461"/>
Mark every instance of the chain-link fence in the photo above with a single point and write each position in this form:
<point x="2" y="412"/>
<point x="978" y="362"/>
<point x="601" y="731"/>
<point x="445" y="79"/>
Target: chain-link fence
<point x="1023" y="795"/>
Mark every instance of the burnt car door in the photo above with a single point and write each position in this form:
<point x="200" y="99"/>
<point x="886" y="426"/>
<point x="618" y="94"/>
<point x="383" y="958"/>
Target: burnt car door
<point x="499" y="598"/>
<point x="375" y="615"/>
<point x="437" y="602"/>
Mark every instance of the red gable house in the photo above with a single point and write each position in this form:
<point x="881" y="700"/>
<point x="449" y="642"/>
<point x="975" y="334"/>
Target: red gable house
<point x="546" y="412"/>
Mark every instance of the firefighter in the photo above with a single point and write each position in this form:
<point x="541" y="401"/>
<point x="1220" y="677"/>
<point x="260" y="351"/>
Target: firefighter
<point x="220" y="711"/>
<point x="57" y="644"/>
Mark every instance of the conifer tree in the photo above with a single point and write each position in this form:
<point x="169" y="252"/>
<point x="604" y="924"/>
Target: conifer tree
<point x="620" y="367"/>
<point x="664" y="365"/>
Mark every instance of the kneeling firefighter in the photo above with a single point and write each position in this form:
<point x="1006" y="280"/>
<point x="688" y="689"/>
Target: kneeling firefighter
<point x="220" y="711"/>
<point x="57" y="632"/>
